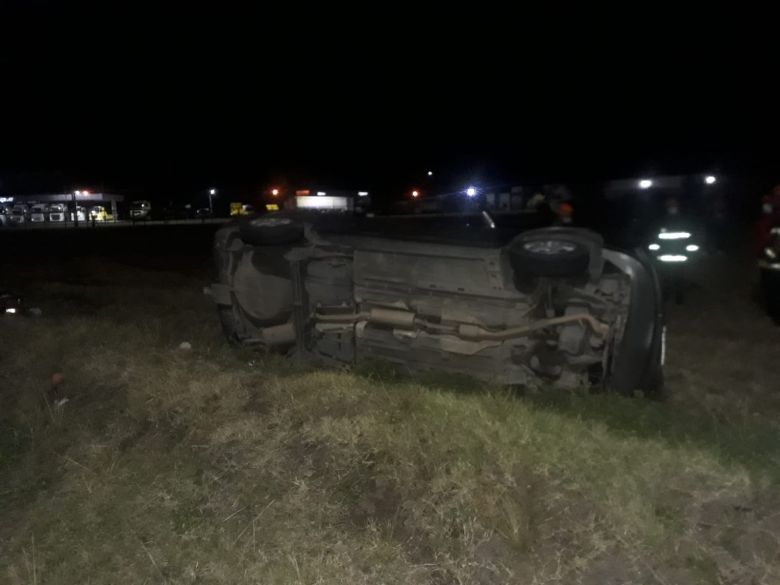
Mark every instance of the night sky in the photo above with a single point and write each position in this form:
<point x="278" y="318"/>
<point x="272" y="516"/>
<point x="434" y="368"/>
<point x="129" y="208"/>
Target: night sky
<point x="163" y="108"/>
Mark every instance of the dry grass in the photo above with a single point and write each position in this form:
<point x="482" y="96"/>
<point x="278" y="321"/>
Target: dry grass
<point x="220" y="466"/>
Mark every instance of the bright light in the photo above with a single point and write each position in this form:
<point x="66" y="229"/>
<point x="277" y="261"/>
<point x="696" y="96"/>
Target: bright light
<point x="322" y="202"/>
<point x="692" y="248"/>
<point x="78" y="192"/>
<point x="645" y="184"/>
<point x="415" y="194"/>
<point x="672" y="258"/>
<point x="85" y="192"/>
<point x="654" y="247"/>
<point x="471" y="191"/>
<point x="321" y="193"/>
<point x="430" y="173"/>
<point x="10" y="310"/>
<point x="362" y="193"/>
<point x="274" y="192"/>
<point x="710" y="179"/>
<point x="212" y="191"/>
<point x="674" y="236"/>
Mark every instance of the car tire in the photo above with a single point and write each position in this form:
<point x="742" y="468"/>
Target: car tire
<point x="553" y="257"/>
<point x="263" y="230"/>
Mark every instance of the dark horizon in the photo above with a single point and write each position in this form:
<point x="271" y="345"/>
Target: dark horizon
<point x="242" y="111"/>
<point x="389" y="169"/>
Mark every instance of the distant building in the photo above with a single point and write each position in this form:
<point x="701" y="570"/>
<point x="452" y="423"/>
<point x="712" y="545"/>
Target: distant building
<point x="77" y="198"/>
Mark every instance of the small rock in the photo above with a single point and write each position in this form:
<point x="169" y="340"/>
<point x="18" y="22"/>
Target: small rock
<point x="185" y="346"/>
<point x="35" y="311"/>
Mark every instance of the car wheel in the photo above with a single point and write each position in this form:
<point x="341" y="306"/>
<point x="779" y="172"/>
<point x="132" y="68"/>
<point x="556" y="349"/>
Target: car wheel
<point x="549" y="257"/>
<point x="270" y="229"/>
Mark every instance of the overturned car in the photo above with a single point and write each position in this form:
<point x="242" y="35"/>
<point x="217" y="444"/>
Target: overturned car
<point x="496" y="298"/>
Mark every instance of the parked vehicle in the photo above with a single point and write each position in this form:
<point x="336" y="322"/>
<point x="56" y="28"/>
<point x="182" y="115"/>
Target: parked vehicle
<point x="238" y="209"/>
<point x="80" y="214"/>
<point x="18" y="214"/>
<point x="57" y="212"/>
<point x="507" y="301"/>
<point x="140" y="210"/>
<point x="98" y="213"/>
<point x="38" y="213"/>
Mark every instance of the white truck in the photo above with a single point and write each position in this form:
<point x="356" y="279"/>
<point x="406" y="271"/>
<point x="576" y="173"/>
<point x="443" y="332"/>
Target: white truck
<point x="140" y="210"/>
<point x="80" y="214"/>
<point x="57" y="212"/>
<point x="38" y="213"/>
<point x="18" y="214"/>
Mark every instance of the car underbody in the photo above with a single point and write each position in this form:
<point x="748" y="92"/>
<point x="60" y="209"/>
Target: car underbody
<point x="494" y="312"/>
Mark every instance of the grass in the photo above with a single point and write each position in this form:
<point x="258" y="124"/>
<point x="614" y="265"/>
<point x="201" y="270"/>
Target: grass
<point x="222" y="466"/>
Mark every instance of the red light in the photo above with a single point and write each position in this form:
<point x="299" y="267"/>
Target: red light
<point x="415" y="194"/>
<point x="274" y="192"/>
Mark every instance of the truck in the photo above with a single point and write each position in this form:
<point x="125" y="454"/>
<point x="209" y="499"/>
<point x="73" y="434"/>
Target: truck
<point x="140" y="210"/>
